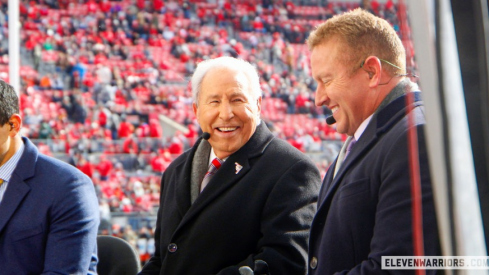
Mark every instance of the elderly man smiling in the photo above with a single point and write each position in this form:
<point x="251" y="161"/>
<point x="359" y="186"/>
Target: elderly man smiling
<point x="240" y="197"/>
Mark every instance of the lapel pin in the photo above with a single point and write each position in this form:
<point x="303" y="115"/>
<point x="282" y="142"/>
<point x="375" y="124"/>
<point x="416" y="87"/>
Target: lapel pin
<point x="238" y="167"/>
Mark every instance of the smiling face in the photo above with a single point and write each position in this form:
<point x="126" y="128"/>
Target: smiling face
<point x="344" y="92"/>
<point x="227" y="110"/>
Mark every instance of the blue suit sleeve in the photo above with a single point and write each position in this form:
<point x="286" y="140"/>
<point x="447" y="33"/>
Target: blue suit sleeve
<point x="71" y="246"/>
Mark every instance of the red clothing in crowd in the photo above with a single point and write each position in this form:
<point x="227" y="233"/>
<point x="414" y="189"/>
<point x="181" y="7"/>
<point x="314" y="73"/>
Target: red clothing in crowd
<point x="86" y="167"/>
<point x="125" y="129"/>
<point x="297" y="144"/>
<point x="91" y="6"/>
<point x="158" y="163"/>
<point x="158" y="5"/>
<point x="191" y="135"/>
<point x="155" y="130"/>
<point x="105" y="6"/>
<point x="104" y="167"/>
<point x="102" y="119"/>
<point x="176" y="147"/>
<point x="130" y="146"/>
<point x="140" y="4"/>
<point x="143" y="130"/>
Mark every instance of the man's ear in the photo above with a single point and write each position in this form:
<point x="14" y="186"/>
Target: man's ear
<point x="258" y="103"/>
<point x="15" y="123"/>
<point x="373" y="69"/>
<point x="194" y="107"/>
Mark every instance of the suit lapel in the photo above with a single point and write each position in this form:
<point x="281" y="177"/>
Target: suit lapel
<point x="226" y="176"/>
<point x="17" y="189"/>
<point x="15" y="193"/>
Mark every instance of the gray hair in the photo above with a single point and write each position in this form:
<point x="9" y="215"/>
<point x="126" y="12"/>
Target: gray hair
<point x="227" y="62"/>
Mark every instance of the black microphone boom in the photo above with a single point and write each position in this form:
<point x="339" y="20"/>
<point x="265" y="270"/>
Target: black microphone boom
<point x="206" y="135"/>
<point x="330" y="120"/>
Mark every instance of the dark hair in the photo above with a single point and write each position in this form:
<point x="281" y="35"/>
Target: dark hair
<point x="9" y="102"/>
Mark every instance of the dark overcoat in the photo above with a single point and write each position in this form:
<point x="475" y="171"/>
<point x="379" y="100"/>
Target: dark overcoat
<point x="263" y="211"/>
<point x="364" y="212"/>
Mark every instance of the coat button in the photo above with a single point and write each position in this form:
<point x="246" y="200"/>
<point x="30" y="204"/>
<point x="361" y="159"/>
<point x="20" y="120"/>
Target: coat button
<point x="172" y="247"/>
<point x="314" y="263"/>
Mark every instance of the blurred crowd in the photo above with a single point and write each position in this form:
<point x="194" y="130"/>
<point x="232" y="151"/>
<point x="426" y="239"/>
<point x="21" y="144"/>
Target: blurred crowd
<point x="98" y="76"/>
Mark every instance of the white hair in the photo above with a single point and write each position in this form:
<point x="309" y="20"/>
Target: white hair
<point x="227" y="62"/>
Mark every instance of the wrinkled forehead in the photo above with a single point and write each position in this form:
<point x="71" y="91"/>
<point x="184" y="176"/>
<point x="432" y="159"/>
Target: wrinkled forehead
<point x="244" y="83"/>
<point x="223" y="76"/>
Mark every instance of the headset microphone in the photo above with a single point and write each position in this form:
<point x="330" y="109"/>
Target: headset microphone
<point x="330" y="120"/>
<point x="206" y="135"/>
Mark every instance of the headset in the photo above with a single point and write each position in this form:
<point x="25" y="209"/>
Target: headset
<point x="371" y="74"/>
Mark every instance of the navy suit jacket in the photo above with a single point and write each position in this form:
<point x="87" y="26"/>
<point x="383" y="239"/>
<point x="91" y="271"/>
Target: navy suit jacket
<point x="48" y="218"/>
<point x="262" y="212"/>
<point x="364" y="213"/>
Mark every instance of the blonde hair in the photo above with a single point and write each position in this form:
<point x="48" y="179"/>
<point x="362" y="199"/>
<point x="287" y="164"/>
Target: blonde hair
<point x="363" y="35"/>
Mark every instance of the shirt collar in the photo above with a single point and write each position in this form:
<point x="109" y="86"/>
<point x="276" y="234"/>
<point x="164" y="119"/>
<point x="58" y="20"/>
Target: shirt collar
<point x="358" y="133"/>
<point x="8" y="168"/>
<point x="213" y="156"/>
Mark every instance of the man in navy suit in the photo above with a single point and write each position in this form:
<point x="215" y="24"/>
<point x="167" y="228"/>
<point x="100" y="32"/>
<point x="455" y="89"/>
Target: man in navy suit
<point x="255" y="212"/>
<point x="48" y="210"/>
<point x="364" y="206"/>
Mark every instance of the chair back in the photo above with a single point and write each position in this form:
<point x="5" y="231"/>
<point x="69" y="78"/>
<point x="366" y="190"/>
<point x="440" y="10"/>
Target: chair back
<point x="116" y="257"/>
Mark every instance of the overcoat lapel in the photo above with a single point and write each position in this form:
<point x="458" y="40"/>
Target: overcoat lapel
<point x="368" y="139"/>
<point x="379" y="124"/>
<point x="182" y="189"/>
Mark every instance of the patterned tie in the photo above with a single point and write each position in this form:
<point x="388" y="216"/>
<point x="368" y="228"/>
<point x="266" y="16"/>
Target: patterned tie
<point x="342" y="156"/>
<point x="1" y="182"/>
<point x="215" y="164"/>
<point x="350" y="146"/>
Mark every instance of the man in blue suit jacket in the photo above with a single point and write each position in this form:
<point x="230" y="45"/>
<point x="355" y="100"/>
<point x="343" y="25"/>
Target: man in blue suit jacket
<point x="48" y="209"/>
<point x="364" y="206"/>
